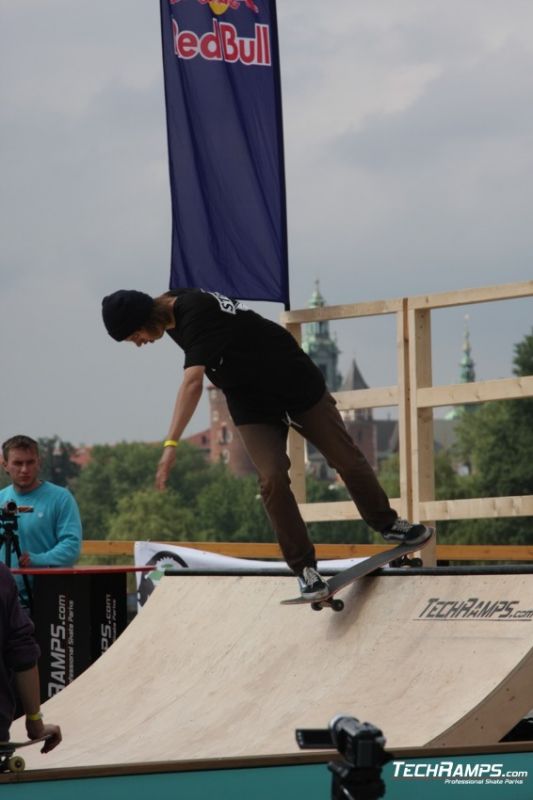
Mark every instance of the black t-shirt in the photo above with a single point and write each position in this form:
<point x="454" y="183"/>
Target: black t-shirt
<point x="257" y="363"/>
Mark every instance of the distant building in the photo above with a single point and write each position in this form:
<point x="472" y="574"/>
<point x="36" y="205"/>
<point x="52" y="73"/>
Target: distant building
<point x="226" y="444"/>
<point x="319" y="345"/>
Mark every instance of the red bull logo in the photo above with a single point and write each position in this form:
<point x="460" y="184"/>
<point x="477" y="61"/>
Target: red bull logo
<point x="220" y="7"/>
<point x="222" y="42"/>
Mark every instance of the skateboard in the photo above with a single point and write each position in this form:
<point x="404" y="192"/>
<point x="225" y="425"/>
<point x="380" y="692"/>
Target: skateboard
<point x="397" y="557"/>
<point x="9" y="762"/>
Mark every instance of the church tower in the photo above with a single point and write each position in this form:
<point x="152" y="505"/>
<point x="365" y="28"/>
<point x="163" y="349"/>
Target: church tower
<point x="320" y="346"/>
<point x="467" y="373"/>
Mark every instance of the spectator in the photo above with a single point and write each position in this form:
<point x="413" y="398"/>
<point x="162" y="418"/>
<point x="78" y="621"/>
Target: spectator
<point x="51" y="535"/>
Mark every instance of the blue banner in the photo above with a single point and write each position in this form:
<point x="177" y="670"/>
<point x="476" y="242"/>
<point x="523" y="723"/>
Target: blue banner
<point x="225" y="141"/>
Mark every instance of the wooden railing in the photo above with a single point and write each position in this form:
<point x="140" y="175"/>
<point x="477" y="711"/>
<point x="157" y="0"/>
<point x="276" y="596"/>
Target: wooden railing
<point x="259" y="550"/>
<point x="415" y="397"/>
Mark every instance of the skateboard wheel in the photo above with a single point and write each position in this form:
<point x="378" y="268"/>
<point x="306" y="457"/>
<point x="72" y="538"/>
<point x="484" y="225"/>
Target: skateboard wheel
<point x="317" y="606"/>
<point x="415" y="562"/>
<point x="337" y="605"/>
<point x="16" y="764"/>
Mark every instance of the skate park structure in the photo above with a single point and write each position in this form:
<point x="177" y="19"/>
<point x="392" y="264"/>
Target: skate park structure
<point x="214" y="669"/>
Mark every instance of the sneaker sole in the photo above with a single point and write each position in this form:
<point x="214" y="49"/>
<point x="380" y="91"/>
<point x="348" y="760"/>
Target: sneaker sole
<point x="313" y="596"/>
<point x="419" y="540"/>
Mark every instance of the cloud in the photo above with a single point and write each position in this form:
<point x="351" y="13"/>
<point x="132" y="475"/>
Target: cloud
<point x="409" y="169"/>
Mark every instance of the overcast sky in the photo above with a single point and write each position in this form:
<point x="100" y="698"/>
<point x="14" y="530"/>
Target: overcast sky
<point x="409" y="167"/>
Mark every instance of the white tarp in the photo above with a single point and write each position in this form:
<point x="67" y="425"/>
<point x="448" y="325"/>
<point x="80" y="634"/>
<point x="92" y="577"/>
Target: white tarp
<point x="163" y="556"/>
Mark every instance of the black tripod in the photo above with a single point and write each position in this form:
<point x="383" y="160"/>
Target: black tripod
<point x="9" y="514"/>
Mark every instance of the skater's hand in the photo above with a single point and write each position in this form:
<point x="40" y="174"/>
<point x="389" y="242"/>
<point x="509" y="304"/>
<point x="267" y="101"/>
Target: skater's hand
<point x="166" y="462"/>
<point x="53" y="737"/>
<point x="36" y="729"/>
<point x="24" y="560"/>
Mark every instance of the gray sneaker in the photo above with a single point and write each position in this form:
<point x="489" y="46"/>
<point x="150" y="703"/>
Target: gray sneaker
<point x="312" y="585"/>
<point x="403" y="532"/>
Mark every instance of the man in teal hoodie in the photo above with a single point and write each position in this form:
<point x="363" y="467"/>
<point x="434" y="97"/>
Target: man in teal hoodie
<point x="51" y="535"/>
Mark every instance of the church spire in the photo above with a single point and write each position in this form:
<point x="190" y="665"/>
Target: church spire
<point x="467" y="373"/>
<point x="319" y="345"/>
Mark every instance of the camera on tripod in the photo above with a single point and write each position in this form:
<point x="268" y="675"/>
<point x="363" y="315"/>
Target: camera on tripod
<point x="8" y="511"/>
<point x="362" y="745"/>
<point x="9" y="514"/>
<point x="9" y="540"/>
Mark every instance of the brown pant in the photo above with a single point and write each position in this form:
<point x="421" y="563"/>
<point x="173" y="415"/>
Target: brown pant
<point x="321" y="425"/>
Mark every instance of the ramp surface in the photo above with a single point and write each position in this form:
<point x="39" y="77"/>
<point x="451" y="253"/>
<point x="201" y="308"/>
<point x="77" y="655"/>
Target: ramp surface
<point x="215" y="667"/>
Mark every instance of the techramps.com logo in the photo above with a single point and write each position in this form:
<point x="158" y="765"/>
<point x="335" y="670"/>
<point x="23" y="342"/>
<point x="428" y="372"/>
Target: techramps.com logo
<point x="474" y="608"/>
<point x="453" y="773"/>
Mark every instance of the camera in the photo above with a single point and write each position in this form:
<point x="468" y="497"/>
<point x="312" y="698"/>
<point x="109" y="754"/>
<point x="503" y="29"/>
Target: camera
<point x="362" y="746"/>
<point x="9" y="509"/>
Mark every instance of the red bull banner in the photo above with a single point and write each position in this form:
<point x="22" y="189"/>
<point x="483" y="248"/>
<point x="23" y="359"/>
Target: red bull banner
<point x="225" y="142"/>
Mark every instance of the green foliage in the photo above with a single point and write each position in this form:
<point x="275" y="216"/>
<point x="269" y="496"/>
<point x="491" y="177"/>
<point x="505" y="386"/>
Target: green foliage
<point x="230" y="509"/>
<point x="149" y="514"/>
<point x="115" y="473"/>
<point x="495" y="442"/>
<point x="340" y="531"/>
<point x="203" y="501"/>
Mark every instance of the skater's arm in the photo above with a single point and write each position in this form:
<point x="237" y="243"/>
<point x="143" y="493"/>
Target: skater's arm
<point x="27" y="682"/>
<point x="187" y="400"/>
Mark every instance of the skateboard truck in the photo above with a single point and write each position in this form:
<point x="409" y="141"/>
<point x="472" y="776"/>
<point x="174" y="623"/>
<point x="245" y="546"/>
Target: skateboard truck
<point x="406" y="561"/>
<point x="9" y="761"/>
<point x="328" y="602"/>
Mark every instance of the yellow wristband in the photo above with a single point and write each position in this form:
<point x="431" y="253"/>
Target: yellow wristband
<point x="34" y="717"/>
<point x="170" y="443"/>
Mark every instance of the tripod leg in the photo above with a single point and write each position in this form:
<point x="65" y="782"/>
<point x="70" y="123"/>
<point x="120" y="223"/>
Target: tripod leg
<point x="14" y="542"/>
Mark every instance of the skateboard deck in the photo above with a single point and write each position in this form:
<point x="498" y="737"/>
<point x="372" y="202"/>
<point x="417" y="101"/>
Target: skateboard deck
<point x="347" y="576"/>
<point x="9" y="762"/>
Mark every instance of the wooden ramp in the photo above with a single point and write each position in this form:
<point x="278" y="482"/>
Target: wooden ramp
<point x="215" y="667"/>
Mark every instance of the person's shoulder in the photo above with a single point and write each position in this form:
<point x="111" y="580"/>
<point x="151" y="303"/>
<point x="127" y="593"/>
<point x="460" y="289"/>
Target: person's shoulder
<point x="185" y="297"/>
<point x="54" y="490"/>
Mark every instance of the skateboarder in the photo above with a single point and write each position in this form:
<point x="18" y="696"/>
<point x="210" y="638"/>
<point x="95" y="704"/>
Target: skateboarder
<point x="19" y="653"/>
<point x="269" y="384"/>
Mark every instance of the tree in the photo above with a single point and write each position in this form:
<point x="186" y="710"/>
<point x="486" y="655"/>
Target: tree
<point x="116" y="472"/>
<point x="496" y="440"/>
<point x="149" y="514"/>
<point x="230" y="509"/>
<point x="340" y="531"/>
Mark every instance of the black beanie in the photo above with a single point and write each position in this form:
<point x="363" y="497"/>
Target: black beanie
<point x="125" y="311"/>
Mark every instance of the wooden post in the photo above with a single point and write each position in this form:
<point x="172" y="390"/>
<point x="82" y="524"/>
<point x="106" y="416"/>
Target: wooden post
<point x="296" y="444"/>
<point x="422" y="456"/>
<point x="404" y="410"/>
